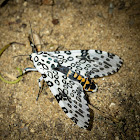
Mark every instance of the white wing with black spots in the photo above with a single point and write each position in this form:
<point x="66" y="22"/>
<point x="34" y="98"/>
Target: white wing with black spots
<point x="68" y="92"/>
<point x="70" y="97"/>
<point x="89" y="63"/>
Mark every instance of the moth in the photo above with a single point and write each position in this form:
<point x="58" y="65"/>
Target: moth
<point x="69" y="74"/>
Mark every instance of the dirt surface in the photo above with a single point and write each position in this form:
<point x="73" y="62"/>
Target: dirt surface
<point x="70" y="25"/>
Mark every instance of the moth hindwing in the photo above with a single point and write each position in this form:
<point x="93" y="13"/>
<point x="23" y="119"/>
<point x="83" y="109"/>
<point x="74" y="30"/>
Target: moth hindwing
<point x="70" y="73"/>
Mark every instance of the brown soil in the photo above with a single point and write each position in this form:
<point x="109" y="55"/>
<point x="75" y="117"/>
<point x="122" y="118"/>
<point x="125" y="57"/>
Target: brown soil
<point x="70" y="25"/>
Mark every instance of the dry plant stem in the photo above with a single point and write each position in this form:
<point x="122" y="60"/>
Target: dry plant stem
<point x="1" y="51"/>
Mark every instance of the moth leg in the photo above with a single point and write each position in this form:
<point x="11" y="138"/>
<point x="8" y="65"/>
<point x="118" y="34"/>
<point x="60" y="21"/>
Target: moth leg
<point x="27" y="70"/>
<point x="40" y="87"/>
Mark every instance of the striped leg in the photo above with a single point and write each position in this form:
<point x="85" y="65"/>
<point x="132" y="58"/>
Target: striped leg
<point x="40" y="87"/>
<point x="27" y="70"/>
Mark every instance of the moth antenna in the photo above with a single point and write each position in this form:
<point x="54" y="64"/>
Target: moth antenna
<point x="19" y="55"/>
<point x="34" y="49"/>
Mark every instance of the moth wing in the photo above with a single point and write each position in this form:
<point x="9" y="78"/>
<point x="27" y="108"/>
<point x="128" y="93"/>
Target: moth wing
<point x="89" y="63"/>
<point x="70" y="97"/>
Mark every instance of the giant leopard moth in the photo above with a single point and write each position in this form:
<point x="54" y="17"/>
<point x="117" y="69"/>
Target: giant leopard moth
<point x="69" y="74"/>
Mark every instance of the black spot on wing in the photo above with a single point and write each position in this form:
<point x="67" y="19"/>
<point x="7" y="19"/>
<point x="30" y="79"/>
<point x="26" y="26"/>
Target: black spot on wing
<point x="79" y="113"/>
<point x="49" y="83"/>
<point x="44" y="75"/>
<point x="84" y="53"/>
<point x="67" y="52"/>
<point x="65" y="109"/>
<point x="75" y="120"/>
<point x="110" y="55"/>
<point x="95" y="58"/>
<point x="36" y="58"/>
<point x="107" y="64"/>
<point x="96" y="76"/>
<point x="57" y="52"/>
<point x="98" y="51"/>
<point x="45" y="66"/>
<point x="60" y="56"/>
<point x="70" y="58"/>
<point x="57" y="82"/>
<point x="50" y="74"/>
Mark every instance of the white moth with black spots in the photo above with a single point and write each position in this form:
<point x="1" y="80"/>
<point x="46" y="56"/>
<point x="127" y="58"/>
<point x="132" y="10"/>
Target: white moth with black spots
<point x="70" y="73"/>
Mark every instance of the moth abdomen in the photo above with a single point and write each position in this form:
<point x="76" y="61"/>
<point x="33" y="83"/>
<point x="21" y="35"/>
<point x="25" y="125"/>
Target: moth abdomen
<point x="87" y="84"/>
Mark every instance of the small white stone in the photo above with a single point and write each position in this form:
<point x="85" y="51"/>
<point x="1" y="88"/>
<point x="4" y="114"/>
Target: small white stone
<point x="25" y="3"/>
<point x="117" y="138"/>
<point x="51" y="48"/>
<point x="40" y="15"/>
<point x="1" y="116"/>
<point x="17" y="1"/>
<point x="62" y="37"/>
<point x="112" y="105"/>
<point x="18" y="17"/>
<point x="32" y="130"/>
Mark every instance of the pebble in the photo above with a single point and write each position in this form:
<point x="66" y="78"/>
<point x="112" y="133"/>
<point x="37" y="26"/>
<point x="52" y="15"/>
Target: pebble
<point x="12" y="116"/>
<point x="116" y="137"/>
<point x="112" y="105"/>
<point x="32" y="130"/>
<point x="25" y="3"/>
<point x="1" y="115"/>
<point x="40" y="15"/>
<point x="54" y="41"/>
<point x="61" y="36"/>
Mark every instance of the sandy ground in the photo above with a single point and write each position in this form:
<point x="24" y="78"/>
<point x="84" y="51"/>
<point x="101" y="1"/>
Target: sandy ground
<point x="76" y="25"/>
